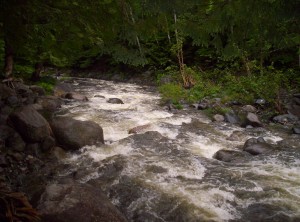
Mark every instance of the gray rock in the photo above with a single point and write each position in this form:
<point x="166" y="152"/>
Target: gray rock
<point x="257" y="146"/>
<point x="115" y="101"/>
<point x="296" y="130"/>
<point x="218" y="118"/>
<point x="252" y="120"/>
<point x="73" y="134"/>
<point x="62" y="88"/>
<point x="286" y="118"/>
<point x="32" y="126"/>
<point x="75" y="96"/>
<point x="76" y="202"/>
<point x="229" y="155"/>
<point x="235" y="136"/>
<point x="294" y="109"/>
<point x="99" y="96"/>
<point x="138" y="129"/>
<point x="260" y="102"/>
<point x="232" y="118"/>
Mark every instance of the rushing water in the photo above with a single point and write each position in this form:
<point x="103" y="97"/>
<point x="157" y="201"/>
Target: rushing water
<point x="167" y="173"/>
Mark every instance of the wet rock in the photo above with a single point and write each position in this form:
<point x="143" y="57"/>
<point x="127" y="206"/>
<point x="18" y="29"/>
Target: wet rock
<point x="249" y="109"/>
<point x="73" y="134"/>
<point x="257" y="146"/>
<point x="235" y="136"/>
<point x="115" y="101"/>
<point x="38" y="90"/>
<point x="218" y="118"/>
<point x="229" y="155"/>
<point x="75" y="96"/>
<point x="59" y="153"/>
<point x="291" y="142"/>
<point x="138" y="129"/>
<point x="231" y="117"/>
<point x="156" y="169"/>
<point x="77" y="202"/>
<point x="296" y="130"/>
<point x="252" y="120"/>
<point x="99" y="96"/>
<point x="48" y="143"/>
<point x="286" y="118"/>
<point x="32" y="126"/>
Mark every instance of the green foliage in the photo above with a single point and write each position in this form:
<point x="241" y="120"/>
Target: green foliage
<point x="173" y="92"/>
<point x="47" y="83"/>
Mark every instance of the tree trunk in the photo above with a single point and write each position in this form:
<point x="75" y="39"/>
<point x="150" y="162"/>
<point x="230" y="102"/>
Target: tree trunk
<point x="36" y="75"/>
<point x="246" y="64"/>
<point x="8" y="60"/>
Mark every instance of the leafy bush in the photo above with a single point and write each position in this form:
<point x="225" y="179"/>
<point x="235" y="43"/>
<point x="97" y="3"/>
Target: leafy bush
<point x="173" y="92"/>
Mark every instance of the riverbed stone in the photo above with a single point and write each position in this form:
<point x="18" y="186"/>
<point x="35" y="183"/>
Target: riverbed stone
<point x="76" y="202"/>
<point x="229" y="155"/>
<point x="115" y="101"/>
<point x="249" y="108"/>
<point x="296" y="130"/>
<point x="138" y="129"/>
<point x="218" y="118"/>
<point x="32" y="126"/>
<point x="231" y="117"/>
<point x="73" y="134"/>
<point x="285" y="118"/>
<point x="256" y="146"/>
<point x="75" y="96"/>
<point x="252" y="120"/>
<point x="235" y="136"/>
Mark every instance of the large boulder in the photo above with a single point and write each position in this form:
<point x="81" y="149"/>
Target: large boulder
<point x="50" y="103"/>
<point x="73" y="134"/>
<point x="32" y="126"/>
<point x="257" y="146"/>
<point x="11" y="138"/>
<point x="76" y="202"/>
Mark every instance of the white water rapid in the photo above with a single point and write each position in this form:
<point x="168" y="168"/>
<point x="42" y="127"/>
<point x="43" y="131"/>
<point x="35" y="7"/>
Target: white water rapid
<point x="166" y="172"/>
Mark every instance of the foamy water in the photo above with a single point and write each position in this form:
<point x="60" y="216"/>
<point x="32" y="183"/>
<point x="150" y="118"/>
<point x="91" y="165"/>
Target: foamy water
<point x="181" y="166"/>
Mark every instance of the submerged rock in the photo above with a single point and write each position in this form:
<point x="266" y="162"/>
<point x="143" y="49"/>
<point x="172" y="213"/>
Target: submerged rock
<point x="75" y="96"/>
<point x="229" y="155"/>
<point x="138" y="129"/>
<point x="115" y="101"/>
<point x="257" y="146"/>
<point x="76" y="202"/>
<point x="73" y="134"/>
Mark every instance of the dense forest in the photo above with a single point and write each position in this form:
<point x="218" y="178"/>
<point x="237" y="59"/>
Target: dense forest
<point x="233" y="49"/>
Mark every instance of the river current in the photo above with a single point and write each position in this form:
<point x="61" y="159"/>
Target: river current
<point x="167" y="172"/>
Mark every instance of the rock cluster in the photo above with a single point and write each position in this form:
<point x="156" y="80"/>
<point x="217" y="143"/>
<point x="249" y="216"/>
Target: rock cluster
<point x="33" y="142"/>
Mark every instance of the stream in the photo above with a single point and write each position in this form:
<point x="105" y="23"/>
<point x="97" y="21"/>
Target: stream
<point x="166" y="172"/>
